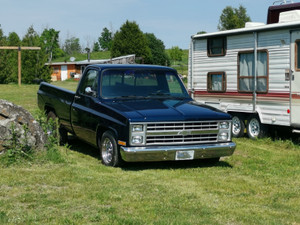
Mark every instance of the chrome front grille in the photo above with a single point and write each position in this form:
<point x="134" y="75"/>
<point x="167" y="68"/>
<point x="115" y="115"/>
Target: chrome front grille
<point x="181" y="133"/>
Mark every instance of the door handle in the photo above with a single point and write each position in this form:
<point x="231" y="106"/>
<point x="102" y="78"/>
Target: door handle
<point x="77" y="97"/>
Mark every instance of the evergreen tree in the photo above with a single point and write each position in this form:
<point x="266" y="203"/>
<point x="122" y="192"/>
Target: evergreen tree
<point x="96" y="47"/>
<point x="157" y="48"/>
<point x="33" y="62"/>
<point x="3" y="57"/>
<point x="131" y="40"/>
<point x="105" y="40"/>
<point x="12" y="59"/>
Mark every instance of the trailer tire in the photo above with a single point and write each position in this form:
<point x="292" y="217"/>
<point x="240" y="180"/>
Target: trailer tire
<point x="255" y="129"/>
<point x="238" y="127"/>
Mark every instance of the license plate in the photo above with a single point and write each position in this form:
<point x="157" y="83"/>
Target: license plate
<point x="184" y="155"/>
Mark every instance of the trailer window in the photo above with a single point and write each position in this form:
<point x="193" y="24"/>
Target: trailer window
<point x="246" y="71"/>
<point x="297" y="56"/>
<point x="216" y="46"/>
<point x="216" y="82"/>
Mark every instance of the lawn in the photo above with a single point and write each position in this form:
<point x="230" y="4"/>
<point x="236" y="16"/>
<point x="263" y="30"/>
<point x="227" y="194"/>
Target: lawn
<point x="259" y="184"/>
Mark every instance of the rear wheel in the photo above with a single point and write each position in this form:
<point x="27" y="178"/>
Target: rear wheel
<point x="238" y="127"/>
<point x="60" y="133"/>
<point x="255" y="129"/>
<point x="109" y="150"/>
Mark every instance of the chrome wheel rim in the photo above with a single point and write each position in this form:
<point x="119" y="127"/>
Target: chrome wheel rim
<point x="254" y="127"/>
<point x="107" y="150"/>
<point x="236" y="125"/>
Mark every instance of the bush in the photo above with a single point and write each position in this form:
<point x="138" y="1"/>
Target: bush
<point x="18" y="150"/>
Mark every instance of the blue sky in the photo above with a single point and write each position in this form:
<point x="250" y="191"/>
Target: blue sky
<point x="172" y="21"/>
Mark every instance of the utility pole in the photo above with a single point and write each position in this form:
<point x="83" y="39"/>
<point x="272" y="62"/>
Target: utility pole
<point x="19" y="48"/>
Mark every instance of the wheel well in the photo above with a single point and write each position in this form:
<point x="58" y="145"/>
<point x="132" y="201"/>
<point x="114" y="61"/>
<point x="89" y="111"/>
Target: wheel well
<point x="100" y="131"/>
<point x="49" y="109"/>
<point x="244" y="116"/>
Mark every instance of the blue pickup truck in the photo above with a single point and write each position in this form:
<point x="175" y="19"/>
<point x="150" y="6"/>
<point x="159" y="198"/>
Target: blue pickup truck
<point x="136" y="113"/>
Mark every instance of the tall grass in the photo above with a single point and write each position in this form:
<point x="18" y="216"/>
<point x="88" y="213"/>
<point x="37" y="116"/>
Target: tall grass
<point x="259" y="184"/>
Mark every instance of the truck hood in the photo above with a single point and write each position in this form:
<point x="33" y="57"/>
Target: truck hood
<point x="155" y="110"/>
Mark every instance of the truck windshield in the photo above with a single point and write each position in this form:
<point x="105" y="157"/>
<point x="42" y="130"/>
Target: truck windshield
<point x="142" y="83"/>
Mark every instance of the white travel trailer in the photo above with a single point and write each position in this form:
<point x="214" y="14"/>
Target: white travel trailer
<point x="253" y="73"/>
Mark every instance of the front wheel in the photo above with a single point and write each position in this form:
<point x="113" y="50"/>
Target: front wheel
<point x="255" y="129"/>
<point x="109" y="150"/>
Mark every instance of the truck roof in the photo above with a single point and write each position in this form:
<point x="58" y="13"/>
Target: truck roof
<point x="129" y="66"/>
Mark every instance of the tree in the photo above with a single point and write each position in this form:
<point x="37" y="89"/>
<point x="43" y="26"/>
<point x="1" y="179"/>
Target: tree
<point x="72" y="45"/>
<point x="176" y="54"/>
<point x="131" y="40"/>
<point x="50" y="41"/>
<point x="105" y="40"/>
<point x="96" y="47"/>
<point x="232" y="18"/>
<point x="202" y="32"/>
<point x="12" y="59"/>
<point x="3" y="57"/>
<point x="33" y="62"/>
<point x="157" y="49"/>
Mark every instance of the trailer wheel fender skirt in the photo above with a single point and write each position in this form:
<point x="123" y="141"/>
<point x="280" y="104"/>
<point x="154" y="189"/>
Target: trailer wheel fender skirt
<point x="238" y="126"/>
<point x="255" y="129"/>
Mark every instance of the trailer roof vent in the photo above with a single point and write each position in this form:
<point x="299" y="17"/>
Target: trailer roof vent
<point x="289" y="16"/>
<point x="253" y="24"/>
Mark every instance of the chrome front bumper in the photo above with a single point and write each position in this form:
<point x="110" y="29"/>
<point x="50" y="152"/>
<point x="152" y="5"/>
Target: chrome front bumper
<point x="168" y="153"/>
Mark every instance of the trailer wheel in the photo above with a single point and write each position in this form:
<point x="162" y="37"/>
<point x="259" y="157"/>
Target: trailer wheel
<point x="62" y="133"/>
<point x="109" y="150"/>
<point x="238" y="127"/>
<point x="255" y="129"/>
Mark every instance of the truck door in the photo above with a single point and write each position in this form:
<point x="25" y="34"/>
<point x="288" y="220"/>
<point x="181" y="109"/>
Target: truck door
<point x="83" y="118"/>
<point x="295" y="78"/>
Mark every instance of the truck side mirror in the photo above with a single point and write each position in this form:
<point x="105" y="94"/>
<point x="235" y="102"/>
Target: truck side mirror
<point x="89" y="91"/>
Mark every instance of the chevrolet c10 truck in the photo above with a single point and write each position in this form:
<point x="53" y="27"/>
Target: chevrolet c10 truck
<point x="137" y="113"/>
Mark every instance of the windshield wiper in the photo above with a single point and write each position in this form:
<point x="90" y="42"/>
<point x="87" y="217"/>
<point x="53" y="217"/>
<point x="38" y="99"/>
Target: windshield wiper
<point x="129" y="97"/>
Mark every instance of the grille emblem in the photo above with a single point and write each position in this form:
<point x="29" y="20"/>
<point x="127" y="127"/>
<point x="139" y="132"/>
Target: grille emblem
<point x="184" y="132"/>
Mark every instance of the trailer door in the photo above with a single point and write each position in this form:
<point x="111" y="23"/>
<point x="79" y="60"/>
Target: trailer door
<point x="295" y="78"/>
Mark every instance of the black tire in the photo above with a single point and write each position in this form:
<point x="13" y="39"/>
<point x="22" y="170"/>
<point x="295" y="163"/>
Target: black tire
<point x="238" y="127"/>
<point x="109" y="150"/>
<point x="255" y="129"/>
<point x="62" y="133"/>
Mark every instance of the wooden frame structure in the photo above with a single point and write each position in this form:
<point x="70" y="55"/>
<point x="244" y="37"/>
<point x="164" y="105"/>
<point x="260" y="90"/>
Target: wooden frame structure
<point x="19" y="48"/>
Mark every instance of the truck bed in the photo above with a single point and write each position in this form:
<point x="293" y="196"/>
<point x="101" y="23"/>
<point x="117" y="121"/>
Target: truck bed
<point x="58" y="100"/>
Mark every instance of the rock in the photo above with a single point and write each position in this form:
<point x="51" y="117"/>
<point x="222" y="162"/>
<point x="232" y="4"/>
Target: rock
<point x="15" y="119"/>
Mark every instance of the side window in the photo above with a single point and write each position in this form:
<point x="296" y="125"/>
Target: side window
<point x="216" y="46"/>
<point x="216" y="82"/>
<point x="246" y="71"/>
<point x="89" y="85"/>
<point x="297" y="55"/>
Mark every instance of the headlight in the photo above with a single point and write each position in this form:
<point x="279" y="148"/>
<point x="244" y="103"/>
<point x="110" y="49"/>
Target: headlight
<point x="137" y="140"/>
<point x="137" y="128"/>
<point x="137" y="134"/>
<point x="224" y="125"/>
<point x="223" y="136"/>
<point x="224" y="131"/>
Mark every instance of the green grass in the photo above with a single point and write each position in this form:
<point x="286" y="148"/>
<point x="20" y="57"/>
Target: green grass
<point x="83" y="56"/>
<point x="259" y="184"/>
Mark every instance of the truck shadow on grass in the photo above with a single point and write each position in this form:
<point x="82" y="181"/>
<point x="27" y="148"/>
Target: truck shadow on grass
<point x="187" y="164"/>
<point x="81" y="147"/>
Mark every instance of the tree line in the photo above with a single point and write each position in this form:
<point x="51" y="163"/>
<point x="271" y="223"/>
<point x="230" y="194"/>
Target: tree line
<point x="129" y="39"/>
